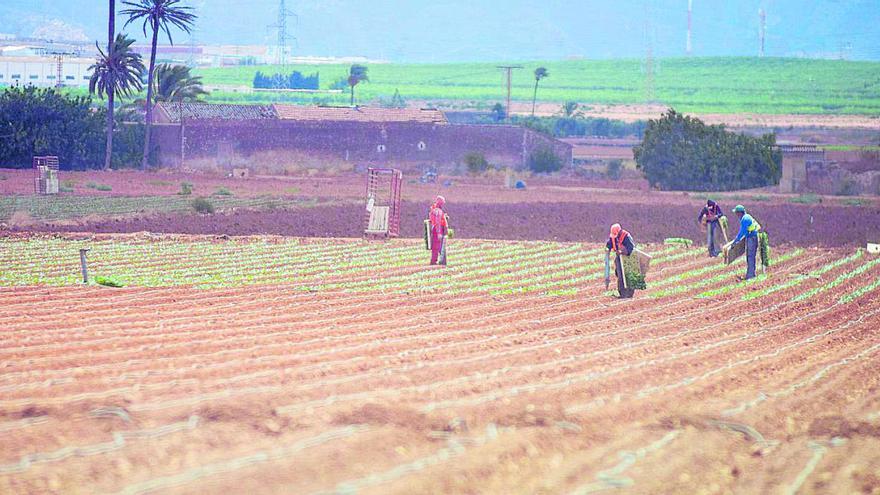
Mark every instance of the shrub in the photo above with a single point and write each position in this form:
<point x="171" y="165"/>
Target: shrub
<point x="186" y="188"/>
<point x="544" y="160"/>
<point x="3" y="177"/>
<point x="103" y="187"/>
<point x="222" y="191"/>
<point x="476" y="163"/>
<point x="683" y="153"/>
<point x="91" y="185"/>
<point x="66" y="186"/>
<point x="806" y="199"/>
<point x="202" y="205"/>
<point x="614" y="169"/>
<point x="847" y="187"/>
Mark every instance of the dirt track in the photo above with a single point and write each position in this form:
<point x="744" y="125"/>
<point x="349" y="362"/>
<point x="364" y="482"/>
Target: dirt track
<point x="268" y="389"/>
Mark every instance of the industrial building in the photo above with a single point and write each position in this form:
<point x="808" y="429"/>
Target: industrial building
<point x="45" y="71"/>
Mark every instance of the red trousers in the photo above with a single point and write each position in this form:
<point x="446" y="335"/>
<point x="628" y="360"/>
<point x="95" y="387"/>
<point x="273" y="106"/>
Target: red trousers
<point x="438" y="251"/>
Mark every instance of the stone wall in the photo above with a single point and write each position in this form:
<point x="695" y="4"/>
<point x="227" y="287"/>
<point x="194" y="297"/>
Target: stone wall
<point x="363" y="143"/>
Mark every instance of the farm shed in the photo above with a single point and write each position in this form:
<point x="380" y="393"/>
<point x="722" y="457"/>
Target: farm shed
<point x="809" y="168"/>
<point x="366" y="135"/>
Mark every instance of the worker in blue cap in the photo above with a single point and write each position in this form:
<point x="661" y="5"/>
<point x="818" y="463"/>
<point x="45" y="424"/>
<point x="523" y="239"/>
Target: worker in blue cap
<point x="748" y="230"/>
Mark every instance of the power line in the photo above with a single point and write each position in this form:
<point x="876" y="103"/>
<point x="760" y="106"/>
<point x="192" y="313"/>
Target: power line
<point x="282" y="36"/>
<point x="509" y="69"/>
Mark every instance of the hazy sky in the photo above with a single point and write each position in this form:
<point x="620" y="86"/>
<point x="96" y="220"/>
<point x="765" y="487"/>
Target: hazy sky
<point x="407" y="30"/>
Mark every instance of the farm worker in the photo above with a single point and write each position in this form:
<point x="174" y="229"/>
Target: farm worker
<point x="621" y="242"/>
<point x="748" y="230"/>
<point x="711" y="214"/>
<point x="439" y="229"/>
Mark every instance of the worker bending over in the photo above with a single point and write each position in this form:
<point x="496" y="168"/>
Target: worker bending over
<point x="748" y="230"/>
<point x="711" y="214"/>
<point x="621" y="242"/>
<point x="439" y="229"/>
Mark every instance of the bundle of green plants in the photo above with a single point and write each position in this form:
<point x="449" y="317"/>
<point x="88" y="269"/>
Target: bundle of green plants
<point x="678" y="240"/>
<point x="222" y="191"/>
<point x="186" y="188"/>
<point x="764" y="248"/>
<point x="635" y="280"/>
<point x="108" y="282"/>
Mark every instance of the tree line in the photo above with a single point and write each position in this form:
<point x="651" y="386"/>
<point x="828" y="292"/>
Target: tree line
<point x="294" y="80"/>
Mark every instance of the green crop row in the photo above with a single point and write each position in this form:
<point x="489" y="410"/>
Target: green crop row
<point x="848" y="298"/>
<point x="799" y="279"/>
<point x="837" y="281"/>
<point x="720" y="278"/>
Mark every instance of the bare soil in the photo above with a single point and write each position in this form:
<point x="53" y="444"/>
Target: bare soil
<point x="182" y="391"/>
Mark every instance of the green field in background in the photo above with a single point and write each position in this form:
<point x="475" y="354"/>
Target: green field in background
<point x="700" y="85"/>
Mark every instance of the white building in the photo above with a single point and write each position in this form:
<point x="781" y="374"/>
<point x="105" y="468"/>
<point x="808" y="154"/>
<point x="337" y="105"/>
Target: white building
<point x="44" y="71"/>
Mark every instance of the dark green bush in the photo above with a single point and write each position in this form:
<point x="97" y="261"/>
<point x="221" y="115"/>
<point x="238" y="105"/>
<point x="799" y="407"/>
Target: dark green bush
<point x="682" y="153"/>
<point x="614" y="169"/>
<point x="476" y="163"/>
<point x="543" y="160"/>
<point x="202" y="205"/>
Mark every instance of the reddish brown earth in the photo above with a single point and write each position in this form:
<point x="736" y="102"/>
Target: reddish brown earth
<point x="802" y="225"/>
<point x="272" y="390"/>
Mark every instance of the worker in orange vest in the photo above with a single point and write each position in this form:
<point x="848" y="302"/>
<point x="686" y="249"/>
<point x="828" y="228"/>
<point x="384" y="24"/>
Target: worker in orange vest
<point x="439" y="221"/>
<point x="621" y="243"/>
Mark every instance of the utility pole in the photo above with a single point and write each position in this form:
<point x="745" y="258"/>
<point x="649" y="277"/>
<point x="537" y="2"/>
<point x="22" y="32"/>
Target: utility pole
<point x="649" y="54"/>
<point x="763" y="17"/>
<point x="509" y="69"/>
<point x="690" y="7"/>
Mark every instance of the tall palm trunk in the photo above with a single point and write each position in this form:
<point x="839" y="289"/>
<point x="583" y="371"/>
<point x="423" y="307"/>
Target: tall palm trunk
<point x="108" y="152"/>
<point x="111" y="33"/>
<point x="535" y="97"/>
<point x="352" y="95"/>
<point x="149" y="115"/>
<point x="111" y="25"/>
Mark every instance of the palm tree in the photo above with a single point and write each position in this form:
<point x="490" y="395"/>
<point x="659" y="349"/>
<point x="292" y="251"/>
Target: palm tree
<point x="175" y="83"/>
<point x="118" y="71"/>
<point x="570" y="109"/>
<point x="540" y="73"/>
<point x="159" y="15"/>
<point x="356" y="74"/>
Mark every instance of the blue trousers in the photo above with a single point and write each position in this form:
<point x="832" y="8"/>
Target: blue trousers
<point x="710" y="238"/>
<point x="751" y="255"/>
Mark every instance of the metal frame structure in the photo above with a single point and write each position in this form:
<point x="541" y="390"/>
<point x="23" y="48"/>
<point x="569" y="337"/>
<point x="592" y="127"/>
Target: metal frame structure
<point x="383" y="191"/>
<point x="46" y="174"/>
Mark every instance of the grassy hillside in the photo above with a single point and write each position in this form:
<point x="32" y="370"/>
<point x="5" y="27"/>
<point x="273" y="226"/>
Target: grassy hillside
<point x="703" y="85"/>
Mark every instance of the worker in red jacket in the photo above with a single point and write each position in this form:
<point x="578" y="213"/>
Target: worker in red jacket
<point x="439" y="229"/>
<point x="621" y="243"/>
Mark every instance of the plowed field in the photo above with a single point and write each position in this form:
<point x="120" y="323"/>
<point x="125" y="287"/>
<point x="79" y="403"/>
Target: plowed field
<point x="267" y="365"/>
